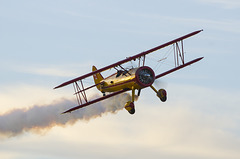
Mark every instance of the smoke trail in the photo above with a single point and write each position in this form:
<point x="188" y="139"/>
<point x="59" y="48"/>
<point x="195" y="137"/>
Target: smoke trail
<point x="39" y="118"/>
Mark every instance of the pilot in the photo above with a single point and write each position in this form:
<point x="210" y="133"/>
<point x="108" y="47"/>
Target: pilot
<point x="119" y="72"/>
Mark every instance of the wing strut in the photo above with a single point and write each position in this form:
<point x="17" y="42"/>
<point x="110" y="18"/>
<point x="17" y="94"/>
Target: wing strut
<point x="178" y="67"/>
<point x="178" y="53"/>
<point x="80" y="92"/>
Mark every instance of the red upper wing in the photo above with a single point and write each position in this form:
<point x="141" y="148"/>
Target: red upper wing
<point x="129" y="59"/>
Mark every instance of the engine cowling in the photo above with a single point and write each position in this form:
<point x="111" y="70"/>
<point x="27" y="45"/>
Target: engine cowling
<point x="145" y="76"/>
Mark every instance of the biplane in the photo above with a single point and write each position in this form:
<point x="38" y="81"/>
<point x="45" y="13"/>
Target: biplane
<point x="124" y="79"/>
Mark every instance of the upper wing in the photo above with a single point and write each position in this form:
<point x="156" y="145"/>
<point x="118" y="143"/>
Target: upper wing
<point x="129" y="58"/>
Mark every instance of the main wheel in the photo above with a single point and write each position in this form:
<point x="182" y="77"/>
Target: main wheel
<point x="129" y="106"/>
<point x="162" y="94"/>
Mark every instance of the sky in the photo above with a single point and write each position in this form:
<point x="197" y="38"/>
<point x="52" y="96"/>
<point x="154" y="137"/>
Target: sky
<point x="44" y="43"/>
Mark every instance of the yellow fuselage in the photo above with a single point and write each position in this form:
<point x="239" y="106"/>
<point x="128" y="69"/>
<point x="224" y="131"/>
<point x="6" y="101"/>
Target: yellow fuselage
<point x="123" y="81"/>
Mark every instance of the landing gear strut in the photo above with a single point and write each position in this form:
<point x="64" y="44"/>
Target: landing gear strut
<point x="129" y="106"/>
<point x="161" y="93"/>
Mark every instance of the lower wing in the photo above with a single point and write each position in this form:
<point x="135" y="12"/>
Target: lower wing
<point x="95" y="101"/>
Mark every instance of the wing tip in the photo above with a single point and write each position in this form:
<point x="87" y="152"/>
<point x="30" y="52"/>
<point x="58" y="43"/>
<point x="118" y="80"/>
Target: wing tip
<point x="200" y="58"/>
<point x="59" y="86"/>
<point x="66" y="112"/>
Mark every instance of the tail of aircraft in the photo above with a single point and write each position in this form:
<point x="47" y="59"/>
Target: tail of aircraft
<point x="97" y="77"/>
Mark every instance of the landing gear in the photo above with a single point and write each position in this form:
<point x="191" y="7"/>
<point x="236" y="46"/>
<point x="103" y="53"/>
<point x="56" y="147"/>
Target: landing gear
<point x="161" y="93"/>
<point x="129" y="106"/>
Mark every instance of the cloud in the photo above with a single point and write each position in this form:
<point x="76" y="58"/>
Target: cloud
<point x="25" y="95"/>
<point x="190" y="124"/>
<point x="219" y="24"/>
<point x="228" y="4"/>
<point x="183" y="130"/>
<point x="56" y="70"/>
<point x="50" y="71"/>
<point x="59" y="71"/>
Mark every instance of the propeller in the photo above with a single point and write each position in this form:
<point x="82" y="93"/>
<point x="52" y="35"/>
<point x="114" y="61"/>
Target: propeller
<point x="160" y="83"/>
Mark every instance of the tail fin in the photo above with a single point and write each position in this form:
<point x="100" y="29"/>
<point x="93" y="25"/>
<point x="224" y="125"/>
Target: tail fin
<point x="97" y="77"/>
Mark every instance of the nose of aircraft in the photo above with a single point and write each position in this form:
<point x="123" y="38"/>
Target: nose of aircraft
<point x="145" y="76"/>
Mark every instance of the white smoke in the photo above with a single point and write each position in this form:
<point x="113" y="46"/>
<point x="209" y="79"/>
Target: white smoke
<point x="41" y="118"/>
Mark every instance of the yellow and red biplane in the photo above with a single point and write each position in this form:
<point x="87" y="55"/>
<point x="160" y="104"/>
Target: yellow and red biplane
<point x="129" y="79"/>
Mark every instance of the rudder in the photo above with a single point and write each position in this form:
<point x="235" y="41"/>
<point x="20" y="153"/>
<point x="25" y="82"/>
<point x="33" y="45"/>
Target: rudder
<point x="97" y="77"/>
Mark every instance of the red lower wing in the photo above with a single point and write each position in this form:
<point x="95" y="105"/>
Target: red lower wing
<point x="95" y="101"/>
<point x="179" y="67"/>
